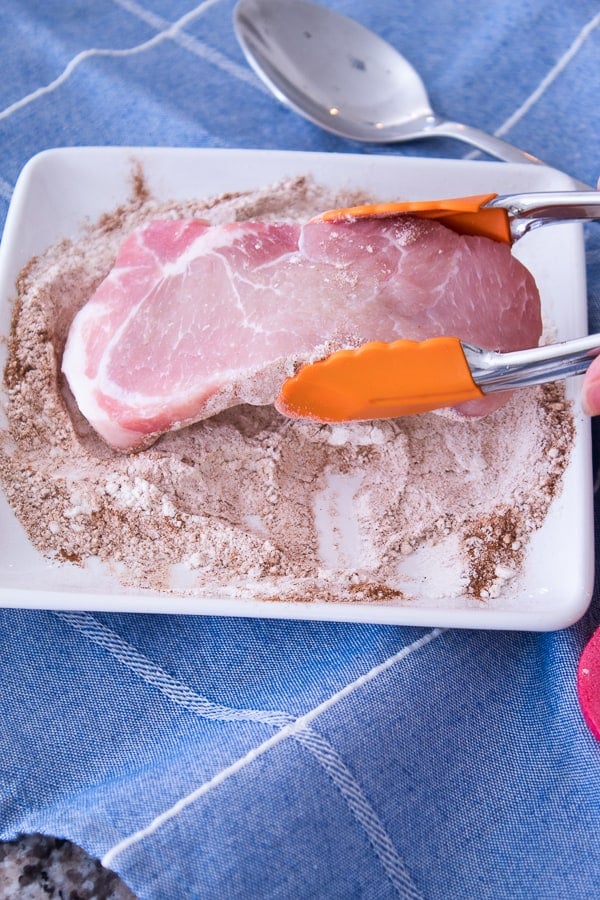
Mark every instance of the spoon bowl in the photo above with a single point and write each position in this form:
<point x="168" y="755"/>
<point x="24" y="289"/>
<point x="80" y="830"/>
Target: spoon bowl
<point x="346" y="79"/>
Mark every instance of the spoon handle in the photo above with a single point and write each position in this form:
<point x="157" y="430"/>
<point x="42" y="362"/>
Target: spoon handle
<point x="488" y="144"/>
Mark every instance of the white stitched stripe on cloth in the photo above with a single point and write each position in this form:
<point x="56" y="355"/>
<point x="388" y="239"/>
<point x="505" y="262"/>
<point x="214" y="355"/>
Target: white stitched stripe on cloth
<point x="290" y="727"/>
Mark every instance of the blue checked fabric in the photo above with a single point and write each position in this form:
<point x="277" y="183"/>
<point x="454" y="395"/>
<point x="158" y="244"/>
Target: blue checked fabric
<point x="205" y="757"/>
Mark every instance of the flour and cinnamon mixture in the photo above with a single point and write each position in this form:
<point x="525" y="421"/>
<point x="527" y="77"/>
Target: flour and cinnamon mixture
<point x="248" y="503"/>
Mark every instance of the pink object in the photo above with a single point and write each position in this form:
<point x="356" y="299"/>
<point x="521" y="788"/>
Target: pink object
<point x="195" y="318"/>
<point x="588" y="683"/>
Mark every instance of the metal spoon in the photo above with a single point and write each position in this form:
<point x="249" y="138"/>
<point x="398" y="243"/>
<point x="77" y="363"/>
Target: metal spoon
<point x="345" y="78"/>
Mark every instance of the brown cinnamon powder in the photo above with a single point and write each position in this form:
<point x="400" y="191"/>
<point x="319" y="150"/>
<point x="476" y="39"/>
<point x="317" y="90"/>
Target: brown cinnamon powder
<point x="248" y="503"/>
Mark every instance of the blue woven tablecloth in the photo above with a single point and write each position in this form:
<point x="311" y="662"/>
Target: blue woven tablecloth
<point x="214" y="757"/>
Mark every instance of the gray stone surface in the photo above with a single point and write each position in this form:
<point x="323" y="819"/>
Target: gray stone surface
<point x="37" y="867"/>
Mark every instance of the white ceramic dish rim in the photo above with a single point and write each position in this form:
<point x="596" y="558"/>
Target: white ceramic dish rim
<point x="60" y="189"/>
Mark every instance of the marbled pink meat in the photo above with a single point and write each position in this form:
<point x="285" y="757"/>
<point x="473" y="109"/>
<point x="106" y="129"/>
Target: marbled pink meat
<point x="195" y="318"/>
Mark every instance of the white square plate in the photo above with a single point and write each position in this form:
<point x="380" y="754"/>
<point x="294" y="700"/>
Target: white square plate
<point x="60" y="189"/>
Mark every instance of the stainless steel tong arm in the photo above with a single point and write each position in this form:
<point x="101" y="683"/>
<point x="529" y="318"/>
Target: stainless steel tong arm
<point x="529" y="211"/>
<point x="503" y="371"/>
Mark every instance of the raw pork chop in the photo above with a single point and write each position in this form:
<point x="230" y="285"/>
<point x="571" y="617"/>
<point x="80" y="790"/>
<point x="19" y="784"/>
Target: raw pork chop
<point x="195" y="318"/>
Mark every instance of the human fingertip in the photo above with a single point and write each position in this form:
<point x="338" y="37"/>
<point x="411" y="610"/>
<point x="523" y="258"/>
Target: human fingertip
<point x="590" y="398"/>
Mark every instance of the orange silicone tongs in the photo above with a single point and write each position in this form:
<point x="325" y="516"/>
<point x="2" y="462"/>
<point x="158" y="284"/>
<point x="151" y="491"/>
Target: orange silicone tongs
<point x="384" y="380"/>
<point x="504" y="218"/>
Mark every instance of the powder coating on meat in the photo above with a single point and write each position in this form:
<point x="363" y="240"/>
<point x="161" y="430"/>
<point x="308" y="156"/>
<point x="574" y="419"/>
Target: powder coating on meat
<point x="195" y="318"/>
